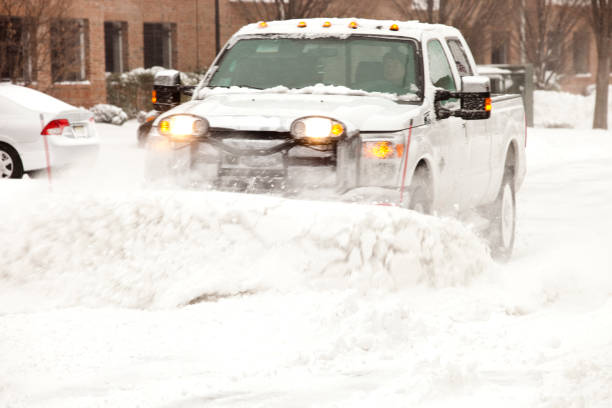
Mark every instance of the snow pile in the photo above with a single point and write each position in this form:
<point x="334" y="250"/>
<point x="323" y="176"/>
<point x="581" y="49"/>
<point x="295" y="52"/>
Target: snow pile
<point x="105" y="113"/>
<point x="154" y="249"/>
<point x="566" y="110"/>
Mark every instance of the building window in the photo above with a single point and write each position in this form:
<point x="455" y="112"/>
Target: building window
<point x="15" y="49"/>
<point x="499" y="48"/>
<point x="159" y="45"/>
<point x="69" y="46"/>
<point x="582" y="45"/>
<point x="115" y="46"/>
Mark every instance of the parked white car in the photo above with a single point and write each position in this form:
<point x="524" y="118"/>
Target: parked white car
<point x="28" y="116"/>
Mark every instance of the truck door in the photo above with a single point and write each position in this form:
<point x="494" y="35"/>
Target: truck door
<point x="478" y="169"/>
<point x="448" y="135"/>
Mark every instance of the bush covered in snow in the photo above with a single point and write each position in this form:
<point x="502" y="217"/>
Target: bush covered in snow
<point x="132" y="90"/>
<point x="109" y="114"/>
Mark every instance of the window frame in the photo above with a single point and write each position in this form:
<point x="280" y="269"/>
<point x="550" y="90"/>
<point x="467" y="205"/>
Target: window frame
<point x="169" y="45"/>
<point x="119" y="35"/>
<point x="453" y="69"/>
<point x="82" y="51"/>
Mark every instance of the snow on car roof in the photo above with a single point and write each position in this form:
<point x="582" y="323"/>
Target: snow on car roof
<point x="33" y="99"/>
<point x="317" y="27"/>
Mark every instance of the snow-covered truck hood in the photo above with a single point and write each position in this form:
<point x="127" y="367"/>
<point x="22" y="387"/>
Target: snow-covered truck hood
<point x="276" y="112"/>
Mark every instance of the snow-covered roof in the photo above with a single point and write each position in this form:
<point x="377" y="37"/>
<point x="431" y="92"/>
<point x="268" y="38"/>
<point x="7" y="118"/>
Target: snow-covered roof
<point x="317" y="27"/>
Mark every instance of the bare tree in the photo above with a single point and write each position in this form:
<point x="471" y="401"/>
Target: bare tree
<point x="463" y="14"/>
<point x="474" y="18"/>
<point x="547" y="28"/>
<point x="268" y="10"/>
<point x="601" y="21"/>
<point x="32" y="34"/>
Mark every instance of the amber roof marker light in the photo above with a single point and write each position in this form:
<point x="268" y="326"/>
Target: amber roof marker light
<point x="326" y="24"/>
<point x="262" y="24"/>
<point x="394" y="27"/>
<point x="353" y="25"/>
<point x="301" y="24"/>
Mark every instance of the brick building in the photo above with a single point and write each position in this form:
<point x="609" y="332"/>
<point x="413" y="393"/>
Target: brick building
<point x="120" y="35"/>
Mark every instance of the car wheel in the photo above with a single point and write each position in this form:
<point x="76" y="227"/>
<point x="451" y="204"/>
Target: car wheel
<point x="502" y="222"/>
<point x="10" y="163"/>
<point x="420" y="192"/>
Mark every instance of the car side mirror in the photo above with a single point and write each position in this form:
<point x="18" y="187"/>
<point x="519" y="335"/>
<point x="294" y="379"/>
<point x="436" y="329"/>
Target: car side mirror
<point x="167" y="90"/>
<point x="475" y="99"/>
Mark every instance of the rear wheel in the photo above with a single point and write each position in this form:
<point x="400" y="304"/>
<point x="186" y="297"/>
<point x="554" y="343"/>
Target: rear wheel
<point x="502" y="218"/>
<point x="10" y="163"/>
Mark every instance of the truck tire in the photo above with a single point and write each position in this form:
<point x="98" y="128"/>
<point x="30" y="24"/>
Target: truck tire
<point x="420" y="192"/>
<point x="10" y="162"/>
<point x="502" y="221"/>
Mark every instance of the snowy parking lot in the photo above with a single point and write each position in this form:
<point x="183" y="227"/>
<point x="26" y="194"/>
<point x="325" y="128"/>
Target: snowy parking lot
<point x="117" y="295"/>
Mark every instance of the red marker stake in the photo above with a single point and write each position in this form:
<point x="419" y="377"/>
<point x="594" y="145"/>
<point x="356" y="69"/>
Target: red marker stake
<point x="405" y="164"/>
<point x="42" y="123"/>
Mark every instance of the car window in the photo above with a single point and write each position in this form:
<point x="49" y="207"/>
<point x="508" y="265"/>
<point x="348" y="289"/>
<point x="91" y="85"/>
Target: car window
<point x="439" y="68"/>
<point x="461" y="59"/>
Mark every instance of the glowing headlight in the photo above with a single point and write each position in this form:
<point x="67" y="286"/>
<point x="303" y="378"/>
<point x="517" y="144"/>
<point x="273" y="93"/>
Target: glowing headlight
<point x="183" y="127"/>
<point x="317" y="129"/>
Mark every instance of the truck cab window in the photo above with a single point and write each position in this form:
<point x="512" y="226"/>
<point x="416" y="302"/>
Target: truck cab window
<point x="439" y="68"/>
<point x="460" y="57"/>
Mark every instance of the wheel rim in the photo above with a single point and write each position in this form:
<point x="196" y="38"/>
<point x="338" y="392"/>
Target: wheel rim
<point x="6" y="165"/>
<point x="507" y="216"/>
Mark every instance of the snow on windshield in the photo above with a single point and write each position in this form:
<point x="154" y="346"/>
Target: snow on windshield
<point x="317" y="89"/>
<point x="32" y="99"/>
<point x="360" y="64"/>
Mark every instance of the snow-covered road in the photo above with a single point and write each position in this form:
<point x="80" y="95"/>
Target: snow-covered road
<point x="303" y="304"/>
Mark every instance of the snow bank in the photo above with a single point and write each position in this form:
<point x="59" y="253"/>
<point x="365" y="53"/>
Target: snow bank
<point x="163" y="249"/>
<point x="566" y="110"/>
<point x="109" y="114"/>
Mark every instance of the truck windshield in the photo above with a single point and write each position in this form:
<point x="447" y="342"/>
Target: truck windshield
<point x="359" y="63"/>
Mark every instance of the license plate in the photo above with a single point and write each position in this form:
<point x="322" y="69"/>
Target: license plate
<point x="272" y="161"/>
<point x="80" y="131"/>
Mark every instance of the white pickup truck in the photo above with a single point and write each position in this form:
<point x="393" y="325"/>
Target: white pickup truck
<point x="383" y="111"/>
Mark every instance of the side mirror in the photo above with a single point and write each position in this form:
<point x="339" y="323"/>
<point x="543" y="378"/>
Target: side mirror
<point x="475" y="99"/>
<point x="167" y="90"/>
